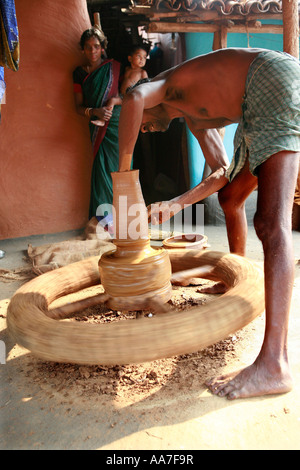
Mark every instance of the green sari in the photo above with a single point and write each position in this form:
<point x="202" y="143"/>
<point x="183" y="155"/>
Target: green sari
<point x="97" y="87"/>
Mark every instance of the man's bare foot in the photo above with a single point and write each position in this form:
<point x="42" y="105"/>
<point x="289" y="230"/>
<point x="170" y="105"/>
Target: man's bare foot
<point x="255" y="380"/>
<point x="218" y="288"/>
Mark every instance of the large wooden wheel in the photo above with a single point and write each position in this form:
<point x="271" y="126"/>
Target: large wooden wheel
<point x="30" y="323"/>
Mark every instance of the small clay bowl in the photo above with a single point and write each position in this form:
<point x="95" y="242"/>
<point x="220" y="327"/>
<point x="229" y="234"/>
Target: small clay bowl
<point x="186" y="241"/>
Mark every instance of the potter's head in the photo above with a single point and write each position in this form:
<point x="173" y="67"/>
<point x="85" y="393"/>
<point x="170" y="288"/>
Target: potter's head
<point x="154" y="119"/>
<point x="93" y="43"/>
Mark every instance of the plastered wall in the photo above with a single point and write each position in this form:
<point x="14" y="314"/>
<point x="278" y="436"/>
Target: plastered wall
<point x="45" y="150"/>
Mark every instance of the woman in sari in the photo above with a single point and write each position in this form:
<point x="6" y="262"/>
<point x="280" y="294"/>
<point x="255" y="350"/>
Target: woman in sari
<point x="96" y="89"/>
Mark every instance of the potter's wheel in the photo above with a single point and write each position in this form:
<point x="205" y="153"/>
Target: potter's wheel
<point x="30" y="318"/>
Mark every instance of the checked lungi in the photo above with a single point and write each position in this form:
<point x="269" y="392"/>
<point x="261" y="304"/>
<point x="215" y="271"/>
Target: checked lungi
<point x="270" y="121"/>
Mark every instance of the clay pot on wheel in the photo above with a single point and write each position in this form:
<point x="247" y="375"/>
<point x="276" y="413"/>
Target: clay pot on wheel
<point x="135" y="272"/>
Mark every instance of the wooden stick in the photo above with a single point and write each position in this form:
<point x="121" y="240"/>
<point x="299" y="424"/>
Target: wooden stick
<point x="68" y="310"/>
<point x="183" y="277"/>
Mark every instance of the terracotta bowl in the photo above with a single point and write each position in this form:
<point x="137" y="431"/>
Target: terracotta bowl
<point x="186" y="241"/>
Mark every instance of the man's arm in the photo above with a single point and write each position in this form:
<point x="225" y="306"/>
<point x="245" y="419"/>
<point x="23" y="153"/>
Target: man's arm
<point x="145" y="96"/>
<point x="216" y="157"/>
<point x="212" y="147"/>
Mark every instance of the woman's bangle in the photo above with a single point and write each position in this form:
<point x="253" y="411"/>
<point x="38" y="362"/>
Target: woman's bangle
<point x="87" y="112"/>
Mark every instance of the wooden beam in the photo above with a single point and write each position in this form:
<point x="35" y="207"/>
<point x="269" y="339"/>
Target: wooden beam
<point x="164" y="27"/>
<point x="200" y="15"/>
<point x="290" y="17"/>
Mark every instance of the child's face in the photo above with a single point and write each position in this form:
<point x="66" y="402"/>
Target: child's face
<point x="138" y="58"/>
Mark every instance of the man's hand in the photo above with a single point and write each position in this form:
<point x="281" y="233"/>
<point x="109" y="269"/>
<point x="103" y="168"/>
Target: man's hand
<point x="160" y="212"/>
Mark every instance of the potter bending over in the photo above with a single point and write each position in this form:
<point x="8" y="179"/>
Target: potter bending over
<point x="214" y="90"/>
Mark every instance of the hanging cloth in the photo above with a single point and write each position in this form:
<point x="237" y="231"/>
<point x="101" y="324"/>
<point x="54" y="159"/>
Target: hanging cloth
<point x="9" y="41"/>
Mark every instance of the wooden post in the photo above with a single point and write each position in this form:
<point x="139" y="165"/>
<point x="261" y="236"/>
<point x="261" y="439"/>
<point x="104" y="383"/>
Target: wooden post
<point x="290" y="18"/>
<point x="220" y="42"/>
<point x="220" y="38"/>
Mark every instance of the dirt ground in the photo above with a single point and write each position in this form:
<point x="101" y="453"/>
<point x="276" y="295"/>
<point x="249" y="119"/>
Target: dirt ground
<point x="162" y="405"/>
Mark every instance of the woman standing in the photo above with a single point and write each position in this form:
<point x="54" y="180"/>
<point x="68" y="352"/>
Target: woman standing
<point x="96" y="89"/>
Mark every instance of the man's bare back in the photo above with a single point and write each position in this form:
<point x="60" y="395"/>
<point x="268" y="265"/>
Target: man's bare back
<point x="186" y="87"/>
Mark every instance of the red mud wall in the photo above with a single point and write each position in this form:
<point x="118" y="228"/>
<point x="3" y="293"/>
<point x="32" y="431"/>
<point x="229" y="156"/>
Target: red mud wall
<point x="45" y="150"/>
